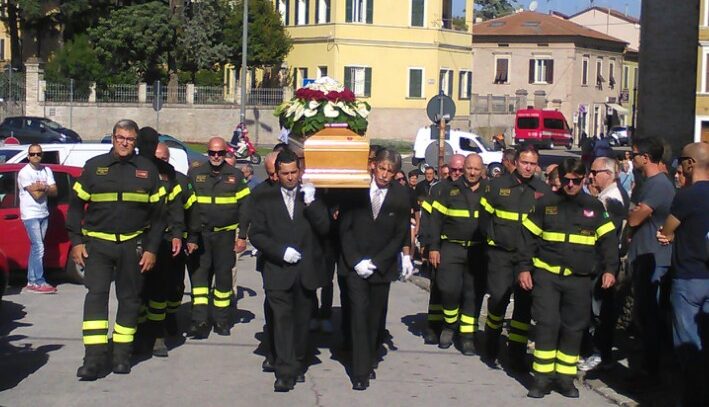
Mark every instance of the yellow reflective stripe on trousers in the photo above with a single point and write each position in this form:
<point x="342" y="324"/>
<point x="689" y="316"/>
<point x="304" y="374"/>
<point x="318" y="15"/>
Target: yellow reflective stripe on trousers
<point x="538" y="263"/>
<point x="243" y="193"/>
<point x="95" y="339"/>
<point x="174" y="193"/>
<point x="122" y="334"/>
<point x="111" y="237"/>
<point x="517" y="338"/>
<point x="467" y="329"/>
<point x="467" y="319"/>
<point x="228" y="227"/>
<point x="486" y="205"/>
<point x="450" y="315"/>
<point x="200" y="290"/>
<point x="532" y="227"/>
<point x="221" y="303"/>
<point x="80" y="192"/>
<point x="568" y="370"/>
<point x="105" y="197"/>
<point x="583" y="240"/>
<point x="190" y="201"/>
<point x="568" y="359"/>
<point x="156" y="317"/>
<point x="86" y="325"/>
<point x="174" y="304"/>
<point x="157" y="305"/>
<point x="519" y="325"/>
<point x="427" y="206"/>
<point x="200" y="301"/>
<point x="118" y="328"/>
<point x="544" y="354"/>
<point x="605" y="228"/>
<point x="222" y="294"/>
<point x="543" y="367"/>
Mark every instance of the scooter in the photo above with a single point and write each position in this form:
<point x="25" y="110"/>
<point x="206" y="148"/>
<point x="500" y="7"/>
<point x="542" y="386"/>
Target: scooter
<point x="243" y="148"/>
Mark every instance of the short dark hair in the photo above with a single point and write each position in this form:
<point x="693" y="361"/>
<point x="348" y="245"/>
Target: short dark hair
<point x="572" y="166"/>
<point x="33" y="145"/>
<point x="526" y="148"/>
<point x="413" y="173"/>
<point x="280" y="147"/>
<point x="386" y="154"/>
<point x="509" y="154"/>
<point x="286" y="157"/>
<point x="126" y="124"/>
<point x="400" y="172"/>
<point x="652" y="146"/>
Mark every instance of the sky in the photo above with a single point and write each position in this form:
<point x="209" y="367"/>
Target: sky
<point x="571" y="6"/>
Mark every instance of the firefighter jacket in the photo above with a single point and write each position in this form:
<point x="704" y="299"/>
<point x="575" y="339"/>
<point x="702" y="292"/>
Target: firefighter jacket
<point x="456" y="213"/>
<point x="117" y="200"/>
<point x="220" y="192"/>
<point x="183" y="195"/>
<point x="426" y="213"/>
<point x="568" y="235"/>
<point x="506" y="202"/>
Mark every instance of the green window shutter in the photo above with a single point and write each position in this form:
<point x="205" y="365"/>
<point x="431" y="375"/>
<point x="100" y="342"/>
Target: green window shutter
<point x="370" y="11"/>
<point x="307" y="11"/>
<point x="550" y="71"/>
<point x="295" y="78"/>
<point x="329" y="7"/>
<point x="415" y="76"/>
<point x="531" y="71"/>
<point x="287" y="12"/>
<point x="367" y="82"/>
<point x="348" y="11"/>
<point x="348" y="78"/>
<point x="417" y="13"/>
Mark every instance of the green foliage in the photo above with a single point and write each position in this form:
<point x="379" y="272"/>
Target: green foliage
<point x="200" y="44"/>
<point x="77" y="16"/>
<point x="203" y="77"/>
<point x="489" y="9"/>
<point x="77" y="60"/>
<point x="459" y="23"/>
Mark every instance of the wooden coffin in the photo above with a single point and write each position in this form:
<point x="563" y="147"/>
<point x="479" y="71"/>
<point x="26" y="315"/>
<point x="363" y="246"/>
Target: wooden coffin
<point x="334" y="158"/>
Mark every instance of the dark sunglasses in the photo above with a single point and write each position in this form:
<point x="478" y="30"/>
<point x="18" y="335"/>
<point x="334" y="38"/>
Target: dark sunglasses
<point x="399" y="179"/>
<point x="681" y="159"/>
<point x="34" y="154"/>
<point x="575" y="181"/>
<point x="220" y="153"/>
<point x="456" y="169"/>
<point x="595" y="172"/>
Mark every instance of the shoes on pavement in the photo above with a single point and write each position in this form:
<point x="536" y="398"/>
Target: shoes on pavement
<point x="267" y="366"/>
<point x="446" y="339"/>
<point x="360" y="383"/>
<point x="198" y="330"/>
<point x="159" y="348"/>
<point x="467" y="347"/>
<point x="566" y="387"/>
<point x="540" y="387"/>
<point x="326" y="326"/>
<point x="300" y="378"/>
<point x="372" y="375"/>
<point x="89" y="371"/>
<point x="283" y="385"/>
<point x="121" y="367"/>
<point x="41" y="288"/>
<point x="222" y="328"/>
<point x="430" y="337"/>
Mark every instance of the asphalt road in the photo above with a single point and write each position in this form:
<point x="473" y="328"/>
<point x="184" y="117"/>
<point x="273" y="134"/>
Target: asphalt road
<point x="41" y="348"/>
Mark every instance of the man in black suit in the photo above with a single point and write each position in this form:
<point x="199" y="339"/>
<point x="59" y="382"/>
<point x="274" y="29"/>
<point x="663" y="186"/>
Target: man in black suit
<point x="285" y="227"/>
<point x="373" y="230"/>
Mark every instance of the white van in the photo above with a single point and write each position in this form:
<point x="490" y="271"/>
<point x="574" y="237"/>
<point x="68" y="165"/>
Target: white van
<point x="459" y="142"/>
<point x="76" y="155"/>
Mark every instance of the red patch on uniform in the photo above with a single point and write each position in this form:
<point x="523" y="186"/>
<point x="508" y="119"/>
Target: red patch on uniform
<point x="230" y="179"/>
<point x="141" y="174"/>
<point x="588" y="213"/>
<point x="163" y="177"/>
<point x="538" y="195"/>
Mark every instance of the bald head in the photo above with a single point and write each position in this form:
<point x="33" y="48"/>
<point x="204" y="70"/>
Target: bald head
<point x="216" y="149"/>
<point x="695" y="162"/>
<point x="699" y="152"/>
<point x="474" y="169"/>
<point x="162" y="152"/>
<point x="269" y="162"/>
<point x="456" y="165"/>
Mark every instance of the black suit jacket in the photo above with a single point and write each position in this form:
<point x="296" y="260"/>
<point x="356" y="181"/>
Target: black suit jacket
<point x="381" y="239"/>
<point x="272" y="231"/>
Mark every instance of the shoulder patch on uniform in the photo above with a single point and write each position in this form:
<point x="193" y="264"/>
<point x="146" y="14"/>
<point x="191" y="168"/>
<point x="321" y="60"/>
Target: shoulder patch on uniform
<point x="606" y="215"/>
<point x="163" y="177"/>
<point x="587" y="232"/>
<point x="201" y="178"/>
<point x="141" y="174"/>
<point x="102" y="171"/>
<point x="487" y="188"/>
<point x="231" y="179"/>
<point x="454" y="192"/>
<point x="505" y="191"/>
<point x="589" y="213"/>
<point x="538" y="195"/>
<point x="551" y="210"/>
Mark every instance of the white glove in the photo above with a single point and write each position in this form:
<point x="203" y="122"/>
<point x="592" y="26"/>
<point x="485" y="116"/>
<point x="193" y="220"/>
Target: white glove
<point x="291" y="256"/>
<point x="365" y="268"/>
<point x="407" y="267"/>
<point x="308" y="191"/>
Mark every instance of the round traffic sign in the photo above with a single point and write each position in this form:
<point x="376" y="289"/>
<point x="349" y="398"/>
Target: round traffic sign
<point x="440" y="105"/>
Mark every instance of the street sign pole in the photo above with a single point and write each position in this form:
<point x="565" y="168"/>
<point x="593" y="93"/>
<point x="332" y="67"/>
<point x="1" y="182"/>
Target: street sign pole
<point x="441" y="136"/>
<point x="440" y="110"/>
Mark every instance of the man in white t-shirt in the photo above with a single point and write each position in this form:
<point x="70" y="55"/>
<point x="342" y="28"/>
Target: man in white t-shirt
<point x="36" y="183"/>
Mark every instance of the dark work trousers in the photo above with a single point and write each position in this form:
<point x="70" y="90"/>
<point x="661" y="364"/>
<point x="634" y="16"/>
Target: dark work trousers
<point x="291" y="313"/>
<point x="345" y="321"/>
<point x="367" y="304"/>
<point x="435" y="306"/>
<point x="650" y="309"/>
<point x="461" y="281"/>
<point x="108" y="261"/>
<point x="561" y="308"/>
<point x="324" y="310"/>
<point x="604" y="317"/>
<point x="155" y="292"/>
<point x="175" y="281"/>
<point x="216" y="258"/>
<point x="501" y="283"/>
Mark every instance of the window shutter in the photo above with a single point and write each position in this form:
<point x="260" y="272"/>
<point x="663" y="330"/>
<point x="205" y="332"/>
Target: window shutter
<point x="370" y="11"/>
<point x="295" y="78"/>
<point x="531" y="71"/>
<point x="470" y="84"/>
<point x="550" y="71"/>
<point x="417" y="13"/>
<point x="415" y="83"/>
<point x="307" y="11"/>
<point x="367" y="82"/>
<point x="297" y="13"/>
<point x="329" y="8"/>
<point x="348" y="78"/>
<point x="287" y="12"/>
<point x="305" y="73"/>
<point x="317" y="12"/>
<point x="450" y="83"/>
<point x="348" y="12"/>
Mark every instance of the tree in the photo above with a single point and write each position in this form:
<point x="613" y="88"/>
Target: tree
<point x="201" y="43"/>
<point x="77" y="16"/>
<point x="489" y="9"/>
<point x="268" y="42"/>
<point x="76" y="60"/>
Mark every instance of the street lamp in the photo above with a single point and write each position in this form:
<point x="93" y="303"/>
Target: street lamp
<point x="244" y="46"/>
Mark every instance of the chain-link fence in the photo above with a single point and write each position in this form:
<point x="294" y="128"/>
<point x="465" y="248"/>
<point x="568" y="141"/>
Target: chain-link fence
<point x="265" y="96"/>
<point x="66" y="92"/>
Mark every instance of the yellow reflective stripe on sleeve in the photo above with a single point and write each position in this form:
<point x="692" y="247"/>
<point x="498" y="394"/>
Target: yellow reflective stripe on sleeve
<point x="118" y="328"/>
<point x="86" y="325"/>
<point x="222" y="294"/>
<point x="532" y="227"/>
<point x="427" y="206"/>
<point x="174" y="193"/>
<point x="517" y="338"/>
<point x="228" y="227"/>
<point x="200" y="301"/>
<point x="467" y="319"/>
<point x="552" y="236"/>
<point x="543" y="367"/>
<point x="459" y="213"/>
<point x="544" y="354"/>
<point x="190" y="201"/>
<point x="136" y="197"/>
<point x="605" y="228"/>
<point x="111" y="237"/>
<point x="467" y="329"/>
<point x="225" y="200"/>
<point x="79" y="189"/>
<point x="221" y="303"/>
<point x="95" y="339"/>
<point x="583" y="240"/>
<point x="568" y="359"/>
<point x="519" y="325"/>
<point x="552" y="269"/>
<point x="105" y="197"/>
<point x="486" y="205"/>
<point x="200" y="290"/>
<point x="156" y="196"/>
<point x="157" y="305"/>
<point x="514" y="216"/>
<point x="243" y="193"/>
<point x="204" y="199"/>
<point x="439" y="207"/>
<point x="568" y="370"/>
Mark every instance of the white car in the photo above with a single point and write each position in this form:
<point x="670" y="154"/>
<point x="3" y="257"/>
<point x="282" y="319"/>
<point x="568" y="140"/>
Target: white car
<point x="459" y="142"/>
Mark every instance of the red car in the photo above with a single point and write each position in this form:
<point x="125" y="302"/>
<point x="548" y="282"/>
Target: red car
<point x="14" y="243"/>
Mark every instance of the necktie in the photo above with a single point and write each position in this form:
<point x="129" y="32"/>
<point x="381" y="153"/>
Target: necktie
<point x="290" y="201"/>
<point x="376" y="202"/>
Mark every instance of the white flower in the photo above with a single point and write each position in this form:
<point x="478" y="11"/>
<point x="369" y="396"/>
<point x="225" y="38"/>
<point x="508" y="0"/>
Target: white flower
<point x="345" y="108"/>
<point x="330" y="110"/>
<point x="362" y="110"/>
<point x="291" y="109"/>
<point x="300" y="109"/>
<point x="310" y="112"/>
<point x="326" y="84"/>
<point x="313" y="105"/>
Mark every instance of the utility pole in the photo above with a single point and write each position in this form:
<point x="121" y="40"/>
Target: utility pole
<point x="244" y="50"/>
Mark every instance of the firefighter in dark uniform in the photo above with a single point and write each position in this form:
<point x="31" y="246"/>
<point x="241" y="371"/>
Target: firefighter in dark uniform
<point x="568" y="238"/>
<point x="115" y="223"/>
<point x="220" y="190"/>
<point x="506" y="203"/>
<point x="457" y="251"/>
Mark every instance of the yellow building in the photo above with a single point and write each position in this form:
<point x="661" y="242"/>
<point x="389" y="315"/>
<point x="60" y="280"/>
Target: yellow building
<point x="629" y="84"/>
<point x="395" y="54"/>
<point x="4" y="45"/>
<point x="701" y="124"/>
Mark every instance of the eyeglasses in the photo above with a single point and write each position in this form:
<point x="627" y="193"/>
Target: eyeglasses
<point x="399" y="179"/>
<point x="575" y="181"/>
<point x="681" y="159"/>
<point x="121" y="139"/>
<point x="220" y="153"/>
<point x="34" y="154"/>
<point x="456" y="169"/>
<point x="595" y="172"/>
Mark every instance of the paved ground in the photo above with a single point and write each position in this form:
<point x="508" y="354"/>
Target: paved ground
<point x="40" y="350"/>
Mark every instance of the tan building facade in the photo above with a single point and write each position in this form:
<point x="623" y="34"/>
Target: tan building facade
<point x="701" y="124"/>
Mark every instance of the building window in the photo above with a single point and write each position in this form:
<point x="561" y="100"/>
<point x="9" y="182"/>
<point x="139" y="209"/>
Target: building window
<point x="2" y="49"/>
<point x="359" y="11"/>
<point x="635" y="77"/>
<point x="417" y="12"/>
<point x="322" y="71"/>
<point x="584" y="71"/>
<point x="283" y="6"/>
<point x="464" y="85"/>
<point x="415" y="83"/>
<point x="626" y="72"/>
<point x="502" y="69"/>
<point x="299" y="75"/>
<point x="611" y="75"/>
<point x="359" y="80"/>
<point x="599" y="74"/>
<point x="541" y="70"/>
<point x="445" y="80"/>
<point x="301" y="12"/>
<point x="323" y="11"/>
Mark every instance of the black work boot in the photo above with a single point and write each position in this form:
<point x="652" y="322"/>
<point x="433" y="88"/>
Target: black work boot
<point x="94" y="362"/>
<point x="492" y="347"/>
<point x="159" y="348"/>
<point x="430" y="337"/>
<point x="222" y="328"/>
<point x="121" y="358"/>
<point x="446" y="339"/>
<point x="199" y="330"/>
<point x="540" y="387"/>
<point x="171" y="327"/>
<point x="517" y="357"/>
<point x="467" y="346"/>
<point x="566" y="386"/>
